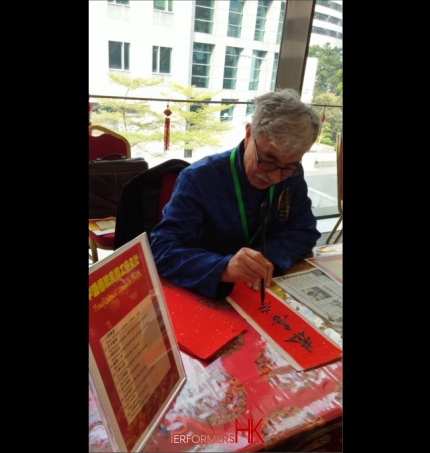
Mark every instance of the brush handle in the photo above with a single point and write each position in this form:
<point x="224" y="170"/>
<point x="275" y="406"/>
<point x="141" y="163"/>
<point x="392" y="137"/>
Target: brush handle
<point x="263" y="246"/>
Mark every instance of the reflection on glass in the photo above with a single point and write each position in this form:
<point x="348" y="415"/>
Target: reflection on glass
<point x="232" y="54"/>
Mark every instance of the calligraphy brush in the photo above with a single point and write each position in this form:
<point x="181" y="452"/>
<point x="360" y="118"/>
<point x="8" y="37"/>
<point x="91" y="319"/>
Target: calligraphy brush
<point x="263" y="247"/>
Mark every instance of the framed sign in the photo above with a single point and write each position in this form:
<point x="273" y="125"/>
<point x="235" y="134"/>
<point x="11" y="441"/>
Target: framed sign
<point x="135" y="369"/>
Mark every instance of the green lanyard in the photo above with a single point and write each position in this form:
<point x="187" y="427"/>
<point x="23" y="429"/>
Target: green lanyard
<point x="240" y="201"/>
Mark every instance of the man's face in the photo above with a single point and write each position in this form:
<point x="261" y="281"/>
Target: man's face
<point x="261" y="152"/>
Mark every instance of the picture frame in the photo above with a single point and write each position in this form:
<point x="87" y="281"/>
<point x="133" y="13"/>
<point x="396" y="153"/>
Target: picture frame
<point x="135" y="368"/>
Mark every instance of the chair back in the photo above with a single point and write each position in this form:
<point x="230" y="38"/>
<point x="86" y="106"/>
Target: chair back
<point x="143" y="198"/>
<point x="166" y="190"/>
<point x="106" y="144"/>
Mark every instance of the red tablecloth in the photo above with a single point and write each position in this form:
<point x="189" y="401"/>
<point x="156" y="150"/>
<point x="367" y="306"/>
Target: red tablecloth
<point x="246" y="398"/>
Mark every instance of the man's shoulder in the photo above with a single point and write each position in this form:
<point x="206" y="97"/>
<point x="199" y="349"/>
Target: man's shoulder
<point x="210" y="162"/>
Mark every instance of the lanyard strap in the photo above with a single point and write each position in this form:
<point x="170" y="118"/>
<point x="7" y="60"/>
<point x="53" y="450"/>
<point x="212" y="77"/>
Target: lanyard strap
<point x="240" y="201"/>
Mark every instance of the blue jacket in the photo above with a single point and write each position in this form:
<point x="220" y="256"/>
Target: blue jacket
<point x="201" y="227"/>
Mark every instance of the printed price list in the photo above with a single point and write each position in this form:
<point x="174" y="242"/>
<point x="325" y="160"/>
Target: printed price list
<point x="127" y="348"/>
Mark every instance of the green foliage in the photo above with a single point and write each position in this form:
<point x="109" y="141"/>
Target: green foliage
<point x="135" y="120"/>
<point x="339" y="88"/>
<point x="333" y="117"/>
<point x="192" y="124"/>
<point x="326" y="135"/>
<point x="195" y="124"/>
<point x="329" y="69"/>
<point x="328" y="90"/>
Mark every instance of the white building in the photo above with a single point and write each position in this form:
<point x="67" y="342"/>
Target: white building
<point x="327" y="24"/>
<point x="227" y="46"/>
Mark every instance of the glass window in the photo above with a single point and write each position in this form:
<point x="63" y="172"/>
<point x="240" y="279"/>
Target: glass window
<point x="201" y="64"/>
<point x="230" y="67"/>
<point x="330" y="4"/>
<point x="322" y="87"/>
<point x="203" y="22"/>
<point x="258" y="56"/>
<point x="250" y="107"/>
<point x="260" y="20"/>
<point x="119" y="9"/>
<point x="226" y="59"/>
<point x="323" y="31"/>
<point x="281" y="22"/>
<point x="165" y="57"/>
<point x="274" y="71"/>
<point x="119" y="55"/>
<point x="227" y="114"/>
<point x="155" y="58"/>
<point x="163" y="5"/>
<point x="126" y="56"/>
<point x="161" y="58"/>
<point x="235" y="18"/>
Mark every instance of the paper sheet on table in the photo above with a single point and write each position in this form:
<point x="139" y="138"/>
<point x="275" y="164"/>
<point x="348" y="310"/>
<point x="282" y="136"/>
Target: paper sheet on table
<point x="302" y="345"/>
<point x="200" y="330"/>
<point x="102" y="226"/>
<point x="103" y="232"/>
<point x="331" y="265"/>
<point x="318" y="292"/>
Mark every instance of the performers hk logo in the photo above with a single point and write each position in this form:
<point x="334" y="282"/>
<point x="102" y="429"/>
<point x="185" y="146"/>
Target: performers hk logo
<point x="211" y="435"/>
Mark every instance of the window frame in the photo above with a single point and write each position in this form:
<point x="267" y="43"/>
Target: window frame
<point x="281" y="21"/>
<point x="198" y="64"/>
<point x="232" y="67"/>
<point x="260" y="20"/>
<point x="159" y="51"/>
<point x="235" y="25"/>
<point x="204" y="24"/>
<point x="274" y="70"/>
<point x="119" y="2"/>
<point x="167" y="6"/>
<point x="229" y="111"/>
<point x="125" y="55"/>
<point x="257" y="60"/>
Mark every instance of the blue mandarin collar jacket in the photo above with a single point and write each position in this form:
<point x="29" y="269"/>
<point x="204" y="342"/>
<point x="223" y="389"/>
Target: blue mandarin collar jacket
<point x="201" y="227"/>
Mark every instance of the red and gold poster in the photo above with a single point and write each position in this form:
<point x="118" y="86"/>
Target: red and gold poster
<point x="135" y="366"/>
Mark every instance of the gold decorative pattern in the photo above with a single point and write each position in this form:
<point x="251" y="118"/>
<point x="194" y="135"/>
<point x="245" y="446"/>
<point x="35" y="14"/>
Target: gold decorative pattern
<point x="282" y="377"/>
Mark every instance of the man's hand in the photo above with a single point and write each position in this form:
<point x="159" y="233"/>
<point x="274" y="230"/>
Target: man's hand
<point x="249" y="266"/>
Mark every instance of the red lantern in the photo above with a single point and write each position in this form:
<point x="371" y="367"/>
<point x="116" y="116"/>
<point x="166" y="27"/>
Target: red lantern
<point x="167" y="112"/>
<point x="322" y="118"/>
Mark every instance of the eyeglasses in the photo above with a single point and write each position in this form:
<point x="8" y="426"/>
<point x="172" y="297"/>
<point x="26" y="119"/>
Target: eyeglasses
<point x="271" y="166"/>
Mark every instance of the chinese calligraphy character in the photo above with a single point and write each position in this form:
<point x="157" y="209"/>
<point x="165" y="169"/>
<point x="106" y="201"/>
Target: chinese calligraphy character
<point x="302" y="340"/>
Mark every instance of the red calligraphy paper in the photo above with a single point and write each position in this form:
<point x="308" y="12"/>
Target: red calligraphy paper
<point x="199" y="329"/>
<point x="294" y="338"/>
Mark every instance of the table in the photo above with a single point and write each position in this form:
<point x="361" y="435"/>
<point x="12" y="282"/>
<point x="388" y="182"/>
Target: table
<point x="246" y="398"/>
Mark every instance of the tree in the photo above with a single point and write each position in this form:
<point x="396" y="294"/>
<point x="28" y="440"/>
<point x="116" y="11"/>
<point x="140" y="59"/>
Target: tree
<point x="192" y="124"/>
<point x="332" y="123"/>
<point x="135" y="120"/>
<point x="328" y="90"/>
<point x="195" y="124"/>
<point x="329" y="69"/>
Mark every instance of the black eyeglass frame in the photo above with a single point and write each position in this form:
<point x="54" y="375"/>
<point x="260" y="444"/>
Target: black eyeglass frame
<point x="298" y="170"/>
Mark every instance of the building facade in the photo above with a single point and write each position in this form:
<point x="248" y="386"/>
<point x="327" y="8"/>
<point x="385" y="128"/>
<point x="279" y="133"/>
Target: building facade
<point x="229" y="47"/>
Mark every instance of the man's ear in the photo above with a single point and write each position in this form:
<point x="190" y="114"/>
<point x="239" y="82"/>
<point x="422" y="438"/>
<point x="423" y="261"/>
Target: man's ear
<point x="248" y="134"/>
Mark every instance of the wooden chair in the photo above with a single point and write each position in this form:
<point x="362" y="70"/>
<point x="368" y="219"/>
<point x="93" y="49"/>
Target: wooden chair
<point x="107" y="144"/>
<point x="339" y="164"/>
